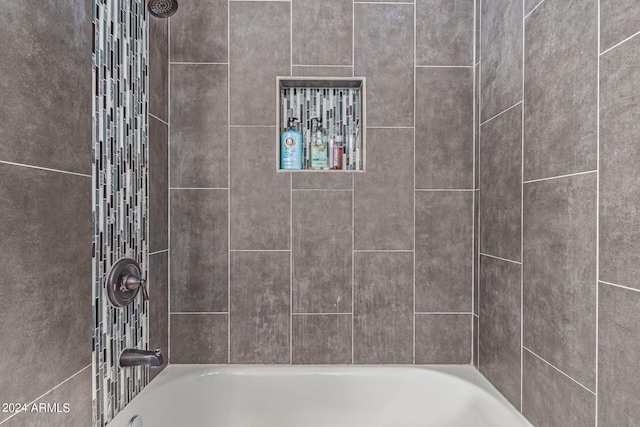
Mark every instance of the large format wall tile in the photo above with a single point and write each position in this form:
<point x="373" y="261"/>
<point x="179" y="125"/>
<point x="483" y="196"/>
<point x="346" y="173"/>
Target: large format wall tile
<point x="302" y="70"/>
<point x="199" y="338"/>
<point x="322" y="339"/>
<point x="323" y="32"/>
<point x="199" y="144"/>
<point x="46" y="83"/>
<point x="383" y="37"/>
<point x="260" y="311"/>
<point x="499" y="325"/>
<point x="260" y="46"/>
<point x="199" y="250"/>
<point x="501" y="64"/>
<point x="260" y="197"/>
<point x="322" y="252"/>
<point x="159" y="68"/>
<point x="560" y="97"/>
<point x="444" y="32"/>
<point x="549" y="398"/>
<point x="158" y="185"/>
<point x="45" y="309"/>
<point x="559" y="278"/>
<point x="501" y="185"/>
<point x="383" y="205"/>
<point x="322" y="180"/>
<point x="443" y="338"/>
<point x="383" y="316"/>
<point x="444" y="250"/>
<point x="619" y="347"/>
<point x="76" y="392"/>
<point x="619" y="19"/>
<point x="444" y="128"/>
<point x="158" y="288"/>
<point x="619" y="159"/>
<point x="199" y="31"/>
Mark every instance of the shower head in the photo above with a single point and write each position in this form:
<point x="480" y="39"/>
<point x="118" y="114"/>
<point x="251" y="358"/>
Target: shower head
<point x="162" y="8"/>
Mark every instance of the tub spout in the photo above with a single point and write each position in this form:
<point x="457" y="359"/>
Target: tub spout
<point x="135" y="357"/>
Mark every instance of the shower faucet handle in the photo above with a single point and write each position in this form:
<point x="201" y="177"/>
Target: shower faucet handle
<point x="131" y="282"/>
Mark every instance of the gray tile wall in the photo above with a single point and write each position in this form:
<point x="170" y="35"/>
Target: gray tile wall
<point x="558" y="208"/>
<point x="284" y="229"/>
<point x="45" y="214"/>
<point x="158" y="285"/>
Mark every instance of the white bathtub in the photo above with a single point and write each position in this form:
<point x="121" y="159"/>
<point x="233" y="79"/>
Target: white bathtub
<point x="295" y="396"/>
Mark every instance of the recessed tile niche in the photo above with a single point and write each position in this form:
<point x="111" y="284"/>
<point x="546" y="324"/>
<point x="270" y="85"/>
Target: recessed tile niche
<point x="329" y="114"/>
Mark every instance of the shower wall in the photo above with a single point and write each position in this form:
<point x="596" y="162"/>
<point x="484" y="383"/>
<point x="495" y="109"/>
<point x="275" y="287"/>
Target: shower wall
<point x="558" y="302"/>
<point x="45" y="210"/>
<point x="309" y="268"/>
<point x="158" y="187"/>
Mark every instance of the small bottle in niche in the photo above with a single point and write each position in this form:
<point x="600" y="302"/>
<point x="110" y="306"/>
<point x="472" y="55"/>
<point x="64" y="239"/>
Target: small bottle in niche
<point x="291" y="147"/>
<point x="318" y="147"/>
<point x="337" y="153"/>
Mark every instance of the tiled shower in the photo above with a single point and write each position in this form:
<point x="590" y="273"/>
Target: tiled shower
<point x="495" y="224"/>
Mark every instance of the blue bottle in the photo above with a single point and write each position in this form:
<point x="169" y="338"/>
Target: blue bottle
<point x="291" y="147"/>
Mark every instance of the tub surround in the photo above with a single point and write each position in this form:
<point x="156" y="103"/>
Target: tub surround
<point x="558" y="208"/>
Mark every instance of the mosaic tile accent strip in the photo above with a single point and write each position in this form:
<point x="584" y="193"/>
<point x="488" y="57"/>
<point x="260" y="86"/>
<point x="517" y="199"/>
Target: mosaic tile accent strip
<point x="120" y="188"/>
<point x="339" y="112"/>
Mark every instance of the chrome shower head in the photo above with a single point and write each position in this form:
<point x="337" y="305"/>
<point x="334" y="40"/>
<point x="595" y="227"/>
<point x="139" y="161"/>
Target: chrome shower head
<point x="162" y="8"/>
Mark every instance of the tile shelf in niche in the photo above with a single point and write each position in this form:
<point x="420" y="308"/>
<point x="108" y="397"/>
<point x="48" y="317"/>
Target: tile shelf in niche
<point x="336" y="107"/>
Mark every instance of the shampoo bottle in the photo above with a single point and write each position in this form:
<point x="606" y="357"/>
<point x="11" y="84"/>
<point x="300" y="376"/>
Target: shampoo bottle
<point x="291" y="147"/>
<point x="318" y="148"/>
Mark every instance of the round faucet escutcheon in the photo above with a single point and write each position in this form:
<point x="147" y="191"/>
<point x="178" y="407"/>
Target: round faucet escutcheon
<point x="124" y="281"/>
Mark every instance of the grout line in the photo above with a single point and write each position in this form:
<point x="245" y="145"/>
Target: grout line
<point x="158" y="118"/>
<point x="169" y="191"/>
<point x="532" y="10"/>
<point x="522" y="216"/>
<point x="291" y="261"/>
<point x="501" y="113"/>
<point x="390" y="127"/>
<point x="353" y="262"/>
<point x="475" y="184"/>
<point x="619" y="286"/>
<point x="502" y="259"/>
<point x="382" y="2"/>
<point x="259" y="250"/>
<point x="383" y="250"/>
<point x="478" y="118"/>
<point x="444" y="189"/>
<point x="189" y="313"/>
<point x="545" y="361"/>
<point x="444" y="66"/>
<point x="415" y="44"/>
<point x="443" y="313"/>
<point x="321" y="65"/>
<point x="353" y="61"/>
<point x="158" y="252"/>
<point x="197" y="63"/>
<point x="229" y="252"/>
<point x="597" y="216"/>
<point x="198" y="188"/>
<point x="616" y="45"/>
<point x="47" y="392"/>
<point x="559" y="176"/>
<point x="321" y="189"/>
<point x="45" y="169"/>
<point x="321" y="314"/>
<point x="250" y="126"/>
